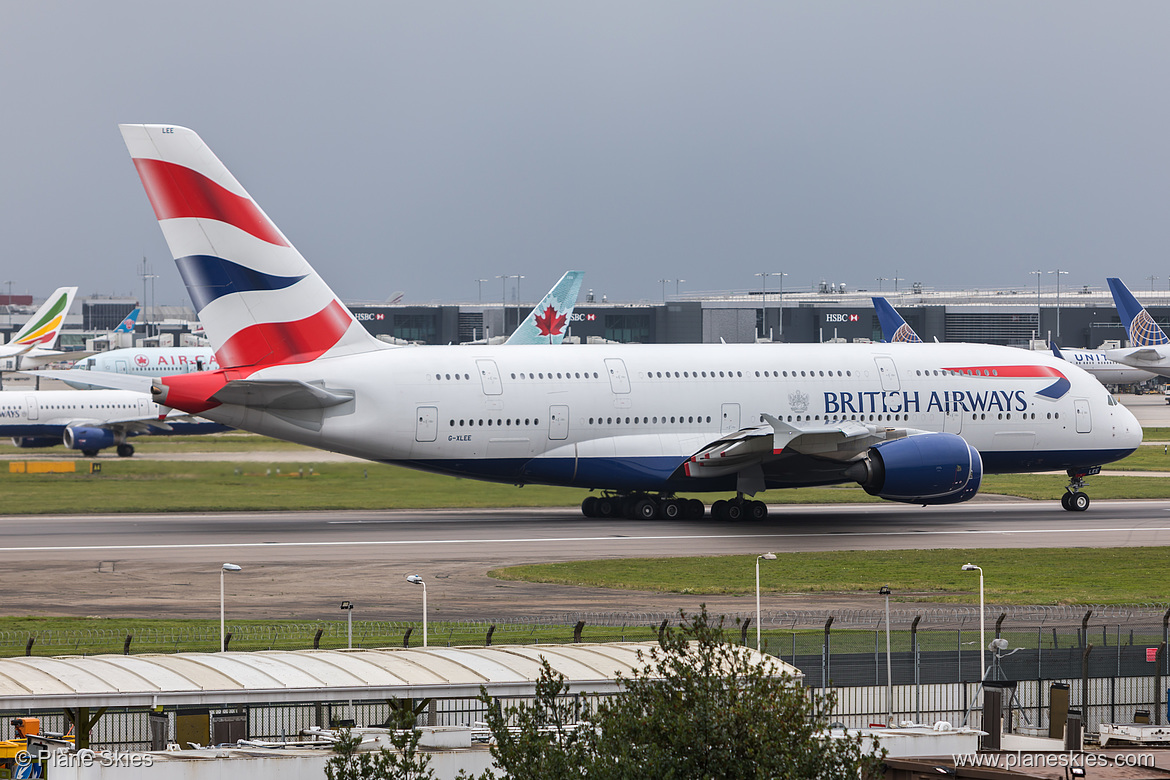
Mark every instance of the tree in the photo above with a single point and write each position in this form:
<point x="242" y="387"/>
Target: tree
<point x="698" y="707"/>
<point x="402" y="763"/>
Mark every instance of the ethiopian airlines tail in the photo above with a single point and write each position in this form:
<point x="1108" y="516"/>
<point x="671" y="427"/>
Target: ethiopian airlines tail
<point x="260" y="301"/>
<point x="45" y="326"/>
<point x="546" y="323"/>
<point x="894" y="328"/>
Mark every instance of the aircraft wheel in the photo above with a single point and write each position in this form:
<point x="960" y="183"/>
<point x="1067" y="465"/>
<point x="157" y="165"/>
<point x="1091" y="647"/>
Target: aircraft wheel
<point x="758" y="510"/>
<point x="589" y="506"/>
<point x="125" y="450"/>
<point x="671" y="509"/>
<point x="605" y="507"/>
<point x="719" y="509"/>
<point x="89" y="453"/>
<point x="646" y="509"/>
<point x="695" y="509"/>
<point x="1064" y="501"/>
<point x="1079" y="502"/>
<point x="733" y="511"/>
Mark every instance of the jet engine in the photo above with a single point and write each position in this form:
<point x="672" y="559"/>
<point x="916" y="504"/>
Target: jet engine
<point x="84" y="438"/>
<point x="29" y="442"/>
<point x="930" y="468"/>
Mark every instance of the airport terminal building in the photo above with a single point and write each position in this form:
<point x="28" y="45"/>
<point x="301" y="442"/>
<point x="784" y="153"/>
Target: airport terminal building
<point x="1077" y="318"/>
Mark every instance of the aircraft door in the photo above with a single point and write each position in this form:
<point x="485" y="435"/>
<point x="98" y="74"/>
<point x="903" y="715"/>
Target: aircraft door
<point x="729" y="418"/>
<point x="34" y="411"/>
<point x="143" y="407"/>
<point x="1084" y="419"/>
<point x="619" y="380"/>
<point x="426" y="423"/>
<point x="887" y="371"/>
<point x="489" y="377"/>
<point x="120" y="367"/>
<point x="558" y="422"/>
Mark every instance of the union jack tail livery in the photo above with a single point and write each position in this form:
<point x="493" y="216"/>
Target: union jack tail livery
<point x="547" y="323"/>
<point x="260" y="301"/>
<point x="1139" y="325"/>
<point x="894" y="328"/>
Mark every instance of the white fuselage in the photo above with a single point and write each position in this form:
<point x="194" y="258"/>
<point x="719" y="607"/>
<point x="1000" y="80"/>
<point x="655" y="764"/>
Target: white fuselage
<point x="151" y="361"/>
<point x="1107" y="371"/>
<point x="625" y="416"/>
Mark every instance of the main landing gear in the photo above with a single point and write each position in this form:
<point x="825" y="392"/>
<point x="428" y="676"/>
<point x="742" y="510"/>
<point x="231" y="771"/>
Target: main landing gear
<point x="641" y="506"/>
<point x="1073" y="499"/>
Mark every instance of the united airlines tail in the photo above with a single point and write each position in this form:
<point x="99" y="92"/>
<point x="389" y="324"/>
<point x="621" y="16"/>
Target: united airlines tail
<point x="546" y="324"/>
<point x="45" y="326"/>
<point x="261" y="302"/>
<point x="894" y="328"/>
<point x="127" y="325"/>
<point x="1139" y="325"/>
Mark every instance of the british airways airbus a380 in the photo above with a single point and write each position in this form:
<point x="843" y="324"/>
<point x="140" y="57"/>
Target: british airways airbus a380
<point x="918" y="423"/>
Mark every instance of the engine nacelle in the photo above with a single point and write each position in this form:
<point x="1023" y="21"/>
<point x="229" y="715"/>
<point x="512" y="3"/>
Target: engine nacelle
<point x="930" y="468"/>
<point x="29" y="442"/>
<point x="85" y="438"/>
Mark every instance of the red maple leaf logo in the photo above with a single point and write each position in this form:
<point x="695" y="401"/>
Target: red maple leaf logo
<point x="550" y="323"/>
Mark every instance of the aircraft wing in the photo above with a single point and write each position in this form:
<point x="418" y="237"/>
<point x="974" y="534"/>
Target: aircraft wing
<point x="1139" y="356"/>
<point x="840" y="440"/>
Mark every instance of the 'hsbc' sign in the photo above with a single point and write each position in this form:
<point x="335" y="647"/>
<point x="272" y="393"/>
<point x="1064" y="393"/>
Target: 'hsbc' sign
<point x="842" y="318"/>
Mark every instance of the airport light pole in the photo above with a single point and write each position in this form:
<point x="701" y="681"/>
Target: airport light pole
<point x="879" y="280"/>
<point x="480" y="283"/>
<point x="414" y="579"/>
<point x="677" y="282"/>
<point x="1058" y="273"/>
<point x="664" y="283"/>
<point x="764" y="291"/>
<point x="348" y="607"/>
<point x="885" y="591"/>
<point x="982" y="645"/>
<point x="765" y="557"/>
<point x="1039" y="275"/>
<point x="222" y="633"/>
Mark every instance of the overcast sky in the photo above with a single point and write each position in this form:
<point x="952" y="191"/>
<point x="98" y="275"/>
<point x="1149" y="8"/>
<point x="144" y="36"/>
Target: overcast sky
<point x="419" y="146"/>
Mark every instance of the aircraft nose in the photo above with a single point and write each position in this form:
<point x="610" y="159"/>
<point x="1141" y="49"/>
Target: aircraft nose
<point x="1127" y="428"/>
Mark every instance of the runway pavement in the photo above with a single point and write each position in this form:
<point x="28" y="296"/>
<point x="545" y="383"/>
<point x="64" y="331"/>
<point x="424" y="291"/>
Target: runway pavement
<point x="302" y="565"/>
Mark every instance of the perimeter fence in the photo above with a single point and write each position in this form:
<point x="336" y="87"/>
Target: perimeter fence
<point x="841" y="648"/>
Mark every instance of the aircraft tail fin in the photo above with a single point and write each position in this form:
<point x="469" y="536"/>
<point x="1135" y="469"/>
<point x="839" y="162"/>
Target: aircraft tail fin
<point x="260" y="301"/>
<point x="1055" y="350"/>
<point x="1139" y="325"/>
<point x="546" y="323"/>
<point x="45" y="326"/>
<point x="127" y="325"/>
<point x="894" y="328"/>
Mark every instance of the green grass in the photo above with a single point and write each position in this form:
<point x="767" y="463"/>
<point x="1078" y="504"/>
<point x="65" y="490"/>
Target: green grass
<point x="1124" y="575"/>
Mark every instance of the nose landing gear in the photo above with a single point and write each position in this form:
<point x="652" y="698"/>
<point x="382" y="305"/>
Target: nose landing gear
<point x="1073" y="499"/>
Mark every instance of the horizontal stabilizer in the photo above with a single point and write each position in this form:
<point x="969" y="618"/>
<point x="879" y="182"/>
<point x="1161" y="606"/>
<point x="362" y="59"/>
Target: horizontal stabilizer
<point x="102" y="380"/>
<point x="280" y="394"/>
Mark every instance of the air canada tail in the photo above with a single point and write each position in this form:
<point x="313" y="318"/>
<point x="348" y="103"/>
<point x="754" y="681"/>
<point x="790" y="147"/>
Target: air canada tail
<point x="546" y="324"/>
<point x="894" y="328"/>
<point x="261" y="303"/>
<point x="45" y="326"/>
<point x="1139" y="325"/>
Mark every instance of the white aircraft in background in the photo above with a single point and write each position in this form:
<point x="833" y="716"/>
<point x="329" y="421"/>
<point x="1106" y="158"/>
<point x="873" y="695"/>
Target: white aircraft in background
<point x="914" y="423"/>
<point x="90" y="420"/>
<point x="138" y="361"/>
<point x="1149" y="348"/>
<point x="1098" y="363"/>
<point x="33" y="344"/>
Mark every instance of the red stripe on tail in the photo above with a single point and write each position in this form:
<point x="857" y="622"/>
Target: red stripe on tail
<point x="271" y="343"/>
<point x="177" y="192"/>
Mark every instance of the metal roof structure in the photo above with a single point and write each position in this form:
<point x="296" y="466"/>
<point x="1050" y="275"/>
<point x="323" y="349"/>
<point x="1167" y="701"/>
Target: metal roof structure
<point x="278" y="676"/>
